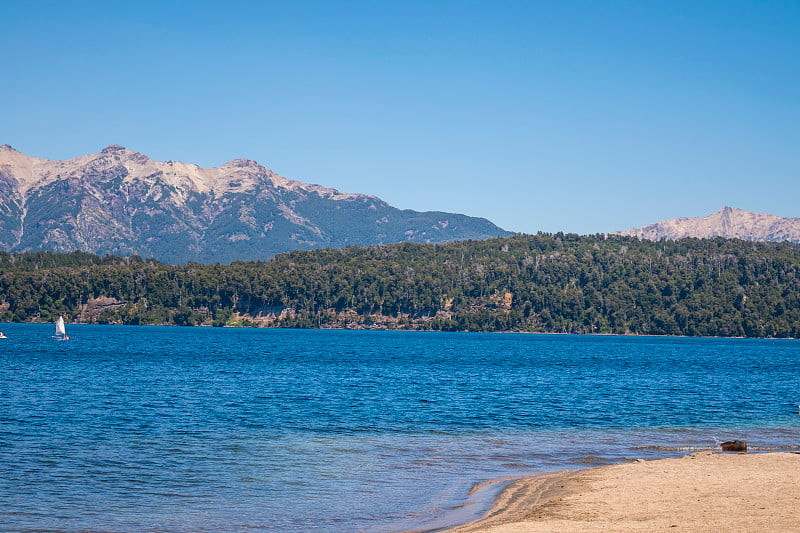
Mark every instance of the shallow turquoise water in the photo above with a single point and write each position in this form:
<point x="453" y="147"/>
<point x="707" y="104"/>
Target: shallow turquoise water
<point x="199" y="429"/>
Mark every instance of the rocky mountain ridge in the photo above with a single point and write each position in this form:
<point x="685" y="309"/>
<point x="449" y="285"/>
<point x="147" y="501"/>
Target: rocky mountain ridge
<point x="728" y="222"/>
<point x="119" y="201"/>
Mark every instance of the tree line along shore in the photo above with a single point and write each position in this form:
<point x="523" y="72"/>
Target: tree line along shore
<point x="553" y="283"/>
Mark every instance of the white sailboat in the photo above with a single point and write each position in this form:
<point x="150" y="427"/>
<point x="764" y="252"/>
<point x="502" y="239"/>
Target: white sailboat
<point x="61" y="332"/>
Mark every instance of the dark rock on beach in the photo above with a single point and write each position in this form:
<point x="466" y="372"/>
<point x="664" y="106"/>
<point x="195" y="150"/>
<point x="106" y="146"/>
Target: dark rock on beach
<point x="734" y="446"/>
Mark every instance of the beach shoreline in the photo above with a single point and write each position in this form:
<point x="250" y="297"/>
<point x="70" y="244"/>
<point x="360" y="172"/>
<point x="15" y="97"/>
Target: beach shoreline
<point x="705" y="491"/>
<point x="258" y="325"/>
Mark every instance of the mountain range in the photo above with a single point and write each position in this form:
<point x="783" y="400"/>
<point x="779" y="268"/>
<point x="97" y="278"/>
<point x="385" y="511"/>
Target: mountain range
<point x="122" y="202"/>
<point x="728" y="222"/>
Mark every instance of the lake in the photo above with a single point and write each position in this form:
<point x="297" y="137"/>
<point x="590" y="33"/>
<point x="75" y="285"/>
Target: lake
<point x="130" y="428"/>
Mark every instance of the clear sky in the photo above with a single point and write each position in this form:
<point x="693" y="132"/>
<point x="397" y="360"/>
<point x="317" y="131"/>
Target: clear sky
<point x="540" y="116"/>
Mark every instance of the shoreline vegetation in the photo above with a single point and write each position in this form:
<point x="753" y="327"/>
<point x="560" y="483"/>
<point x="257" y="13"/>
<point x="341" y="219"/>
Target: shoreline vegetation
<point x="544" y="283"/>
<point x="702" y="492"/>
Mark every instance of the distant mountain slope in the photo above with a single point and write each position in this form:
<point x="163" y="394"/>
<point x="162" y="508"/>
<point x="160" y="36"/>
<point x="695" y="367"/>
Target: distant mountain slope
<point x="122" y="202"/>
<point x="728" y="222"/>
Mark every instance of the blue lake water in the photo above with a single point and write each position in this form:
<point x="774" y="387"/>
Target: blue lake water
<point x="199" y="429"/>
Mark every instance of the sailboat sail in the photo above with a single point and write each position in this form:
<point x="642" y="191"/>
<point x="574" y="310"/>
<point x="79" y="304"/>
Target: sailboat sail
<point x="60" y="330"/>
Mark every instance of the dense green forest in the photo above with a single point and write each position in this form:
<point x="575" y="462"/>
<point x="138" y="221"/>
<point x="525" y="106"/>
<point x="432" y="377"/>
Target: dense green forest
<point x="545" y="283"/>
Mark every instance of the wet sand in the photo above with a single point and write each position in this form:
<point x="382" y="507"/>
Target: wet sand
<point x="701" y="492"/>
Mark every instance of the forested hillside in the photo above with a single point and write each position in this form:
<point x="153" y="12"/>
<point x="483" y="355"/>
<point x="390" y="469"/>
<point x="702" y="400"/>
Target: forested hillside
<point x="546" y="283"/>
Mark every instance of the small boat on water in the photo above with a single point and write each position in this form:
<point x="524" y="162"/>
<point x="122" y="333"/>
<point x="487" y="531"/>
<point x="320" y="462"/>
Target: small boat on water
<point x="3" y="335"/>
<point x="61" y="332"/>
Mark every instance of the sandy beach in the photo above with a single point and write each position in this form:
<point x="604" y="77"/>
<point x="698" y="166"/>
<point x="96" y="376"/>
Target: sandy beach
<point x="701" y="492"/>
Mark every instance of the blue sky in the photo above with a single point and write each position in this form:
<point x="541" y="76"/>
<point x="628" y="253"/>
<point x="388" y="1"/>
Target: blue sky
<point x="540" y="116"/>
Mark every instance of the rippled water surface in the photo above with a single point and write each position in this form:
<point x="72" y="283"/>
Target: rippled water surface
<point x="199" y="429"/>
